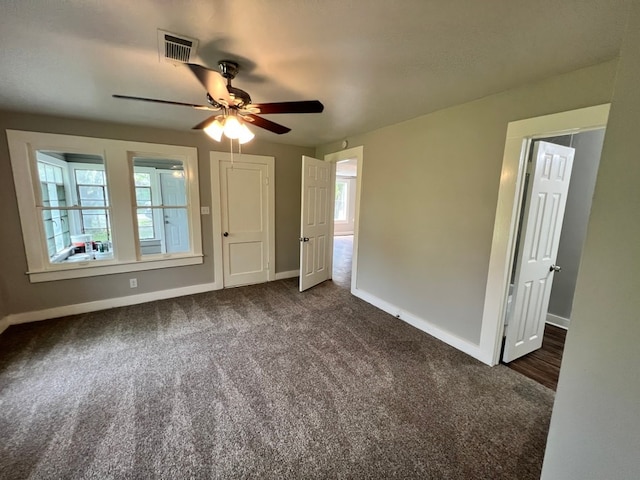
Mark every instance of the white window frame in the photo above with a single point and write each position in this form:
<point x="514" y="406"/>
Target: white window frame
<point x="23" y="146"/>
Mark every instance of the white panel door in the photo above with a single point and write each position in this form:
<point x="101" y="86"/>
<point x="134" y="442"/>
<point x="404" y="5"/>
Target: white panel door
<point x="535" y="267"/>
<point x="316" y="221"/>
<point x="176" y="228"/>
<point x="245" y="222"/>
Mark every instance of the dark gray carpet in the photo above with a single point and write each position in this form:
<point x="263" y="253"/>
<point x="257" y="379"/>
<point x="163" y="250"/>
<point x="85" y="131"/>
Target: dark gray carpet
<point x="259" y="382"/>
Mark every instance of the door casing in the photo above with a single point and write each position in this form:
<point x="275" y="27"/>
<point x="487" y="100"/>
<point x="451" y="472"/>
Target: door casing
<point x="358" y="154"/>
<point x="520" y="134"/>
<point x="216" y="210"/>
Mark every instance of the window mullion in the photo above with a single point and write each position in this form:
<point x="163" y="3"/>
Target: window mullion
<point x="121" y="199"/>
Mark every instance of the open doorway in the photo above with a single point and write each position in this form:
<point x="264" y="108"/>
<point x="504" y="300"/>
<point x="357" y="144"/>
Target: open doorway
<point x="344" y="220"/>
<point x="543" y="363"/>
<point x="519" y="135"/>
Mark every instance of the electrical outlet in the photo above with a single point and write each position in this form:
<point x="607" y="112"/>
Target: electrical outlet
<point x="204" y="210"/>
<point x="133" y="283"/>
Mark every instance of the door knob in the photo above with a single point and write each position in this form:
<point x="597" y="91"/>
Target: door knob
<point x="304" y="239"/>
<point x="226" y="234"/>
<point x="555" y="268"/>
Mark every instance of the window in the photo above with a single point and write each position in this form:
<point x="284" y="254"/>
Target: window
<point x="91" y="206"/>
<point x="144" y="197"/>
<point x="73" y="206"/>
<point x="341" y="206"/>
<point x="161" y="199"/>
<point x="55" y="216"/>
<point x="91" y="189"/>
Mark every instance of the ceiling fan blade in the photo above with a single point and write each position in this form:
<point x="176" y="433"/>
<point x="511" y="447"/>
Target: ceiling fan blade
<point x="205" y="123"/>
<point x="213" y="82"/>
<point x="305" y="106"/>
<point x="266" y="124"/>
<point x="166" y="102"/>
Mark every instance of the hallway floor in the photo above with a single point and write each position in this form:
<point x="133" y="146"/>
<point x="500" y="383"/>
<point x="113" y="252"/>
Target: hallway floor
<point x="342" y="255"/>
<point x="543" y="365"/>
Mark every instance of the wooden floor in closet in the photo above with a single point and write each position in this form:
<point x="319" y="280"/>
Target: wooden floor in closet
<point x="543" y="365"/>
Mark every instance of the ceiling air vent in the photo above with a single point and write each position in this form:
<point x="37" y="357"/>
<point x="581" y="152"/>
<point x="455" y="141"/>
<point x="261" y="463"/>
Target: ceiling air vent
<point x="176" y="48"/>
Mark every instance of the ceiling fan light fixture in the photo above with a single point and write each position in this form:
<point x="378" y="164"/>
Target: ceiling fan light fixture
<point x="246" y="135"/>
<point x="232" y="127"/>
<point x="215" y="130"/>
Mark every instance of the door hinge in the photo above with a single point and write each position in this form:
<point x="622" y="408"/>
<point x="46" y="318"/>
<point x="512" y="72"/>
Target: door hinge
<point x="266" y="180"/>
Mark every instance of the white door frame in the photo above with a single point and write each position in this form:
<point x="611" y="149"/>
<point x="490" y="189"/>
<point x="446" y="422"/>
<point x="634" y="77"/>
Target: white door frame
<point x="519" y="136"/>
<point x="358" y="154"/>
<point x="216" y="210"/>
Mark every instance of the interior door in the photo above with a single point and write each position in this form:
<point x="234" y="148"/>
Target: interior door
<point x="535" y="264"/>
<point x="316" y="221"/>
<point x="245" y="222"/>
<point x="176" y="228"/>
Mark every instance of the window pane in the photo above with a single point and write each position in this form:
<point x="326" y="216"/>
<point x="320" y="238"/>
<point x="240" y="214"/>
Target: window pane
<point x="160" y="182"/>
<point x="56" y="228"/>
<point x="176" y="230"/>
<point x="143" y="196"/>
<point x="91" y="196"/>
<point x="50" y="175"/>
<point x="173" y="188"/>
<point x="340" y="212"/>
<point x="173" y="234"/>
<point x="142" y="179"/>
<point x="145" y="224"/>
<point x="90" y="177"/>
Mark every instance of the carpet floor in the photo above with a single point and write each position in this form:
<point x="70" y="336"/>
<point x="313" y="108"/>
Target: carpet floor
<point x="259" y="382"/>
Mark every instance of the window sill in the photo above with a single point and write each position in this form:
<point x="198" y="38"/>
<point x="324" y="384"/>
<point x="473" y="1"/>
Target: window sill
<point x="85" y="269"/>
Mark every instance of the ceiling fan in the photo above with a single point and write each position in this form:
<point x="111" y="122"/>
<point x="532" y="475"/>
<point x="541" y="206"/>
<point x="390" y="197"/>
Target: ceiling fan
<point x="234" y="105"/>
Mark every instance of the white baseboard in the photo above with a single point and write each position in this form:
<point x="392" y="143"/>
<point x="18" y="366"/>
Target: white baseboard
<point x="426" y="326"/>
<point x="289" y="274"/>
<point x="63" y="311"/>
<point x="558" y="321"/>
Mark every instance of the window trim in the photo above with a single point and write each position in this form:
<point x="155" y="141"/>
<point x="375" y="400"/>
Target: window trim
<point x="116" y="153"/>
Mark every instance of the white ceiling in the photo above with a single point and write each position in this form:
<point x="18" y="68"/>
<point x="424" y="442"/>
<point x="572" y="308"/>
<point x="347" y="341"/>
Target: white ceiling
<point x="371" y="62"/>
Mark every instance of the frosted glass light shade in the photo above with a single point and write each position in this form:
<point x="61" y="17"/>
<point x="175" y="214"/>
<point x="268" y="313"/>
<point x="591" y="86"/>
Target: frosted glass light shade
<point x="246" y="135"/>
<point x="215" y="130"/>
<point x="232" y="127"/>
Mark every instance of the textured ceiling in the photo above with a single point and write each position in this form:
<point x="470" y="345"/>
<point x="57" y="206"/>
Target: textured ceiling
<point x="371" y="62"/>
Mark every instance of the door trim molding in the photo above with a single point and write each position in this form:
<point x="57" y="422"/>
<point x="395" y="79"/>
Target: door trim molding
<point x="216" y="208"/>
<point x="519" y="136"/>
<point x="358" y="154"/>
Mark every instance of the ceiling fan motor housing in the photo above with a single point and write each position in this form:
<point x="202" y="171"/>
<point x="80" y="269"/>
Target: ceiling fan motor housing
<point x="228" y="69"/>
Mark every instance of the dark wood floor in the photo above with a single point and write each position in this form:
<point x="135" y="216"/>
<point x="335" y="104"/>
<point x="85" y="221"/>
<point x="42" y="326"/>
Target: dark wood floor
<point x="543" y="365"/>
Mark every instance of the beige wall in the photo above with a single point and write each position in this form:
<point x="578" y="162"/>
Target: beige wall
<point x="22" y="296"/>
<point x="595" y="426"/>
<point x="429" y="192"/>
